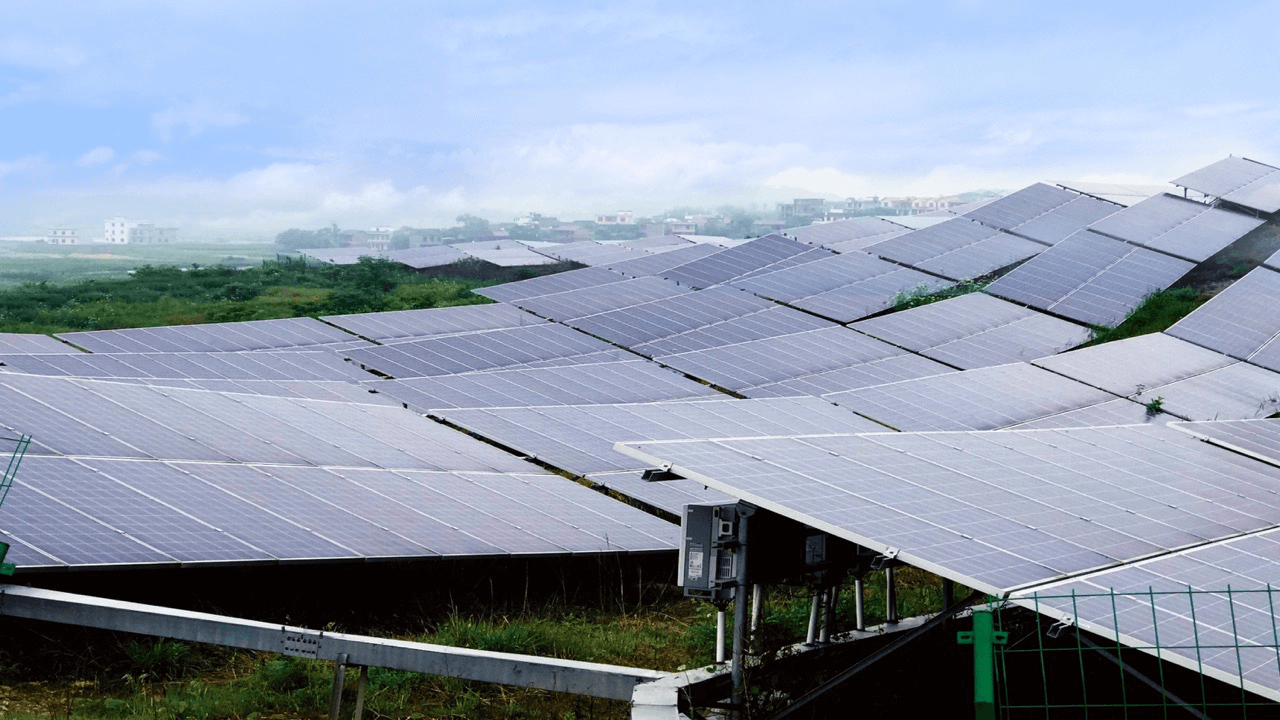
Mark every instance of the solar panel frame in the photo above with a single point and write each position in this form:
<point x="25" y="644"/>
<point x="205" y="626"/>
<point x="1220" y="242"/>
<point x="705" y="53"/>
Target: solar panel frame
<point x="1238" y="391"/>
<point x="668" y="495"/>
<point x="865" y="374"/>
<point x="405" y="324"/>
<point x="1022" y="206"/>
<point x="844" y="232"/>
<point x="734" y="262"/>
<point x="1135" y="365"/>
<point x="1173" y="225"/>
<point x="659" y="262"/>
<point x="573" y="304"/>
<point x="1060" y="223"/>
<point x="549" y="284"/>
<point x="1239" y="321"/>
<point x="484" y="350"/>
<point x="30" y="344"/>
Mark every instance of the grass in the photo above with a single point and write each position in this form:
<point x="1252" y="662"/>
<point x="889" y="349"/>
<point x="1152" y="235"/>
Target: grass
<point x="37" y="262"/>
<point x="923" y="294"/>
<point x="1157" y="312"/>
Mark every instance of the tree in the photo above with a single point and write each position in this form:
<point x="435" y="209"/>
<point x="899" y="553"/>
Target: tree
<point x="295" y="239"/>
<point x="472" y="227"/>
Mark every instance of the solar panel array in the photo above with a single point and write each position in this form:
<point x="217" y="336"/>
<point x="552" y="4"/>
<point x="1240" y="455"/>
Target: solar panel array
<point x="580" y="302"/>
<point x="20" y="344"/>
<point x="1124" y="194"/>
<point x="425" y="257"/>
<point x="843" y="288"/>
<point x="1061" y="222"/>
<point x="736" y="261"/>
<point x="957" y="248"/>
<point x="686" y="311"/>
<point x="1090" y="278"/>
<point x="668" y="495"/>
<point x="770" y="322"/>
<point x="975" y="330"/>
<point x="661" y="262"/>
<point x="215" y="337"/>
<point x="868" y="230"/>
<point x="983" y="399"/>
<point x="485" y="350"/>
<point x="260" y="365"/>
<point x="1135" y="365"/>
<point x="857" y="375"/>
<point x="601" y="383"/>
<point x="1238" y="180"/>
<point x="1018" y="208"/>
<point x="504" y="253"/>
<point x="995" y="511"/>
<point x="550" y="284"/>
<point x="592" y="253"/>
<point x="332" y="390"/>
<point x="404" y="324"/>
<point x="1240" y="321"/>
<point x="1187" y="229"/>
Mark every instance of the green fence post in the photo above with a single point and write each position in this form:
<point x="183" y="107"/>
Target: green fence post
<point x="983" y="638"/>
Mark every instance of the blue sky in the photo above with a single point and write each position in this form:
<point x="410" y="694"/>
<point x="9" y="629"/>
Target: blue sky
<point x="238" y="119"/>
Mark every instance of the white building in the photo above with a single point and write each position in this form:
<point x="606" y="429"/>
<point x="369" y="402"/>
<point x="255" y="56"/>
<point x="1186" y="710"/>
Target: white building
<point x="63" y="236"/>
<point x="121" y="231"/>
<point x="116" y="230"/>
<point x="622" y="217"/>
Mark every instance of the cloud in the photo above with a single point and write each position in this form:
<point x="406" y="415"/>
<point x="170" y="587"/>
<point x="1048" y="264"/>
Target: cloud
<point x="40" y="54"/>
<point x="23" y="165"/>
<point x="96" y="156"/>
<point x="822" y="181"/>
<point x="196" y="117"/>
<point x="146" y="157"/>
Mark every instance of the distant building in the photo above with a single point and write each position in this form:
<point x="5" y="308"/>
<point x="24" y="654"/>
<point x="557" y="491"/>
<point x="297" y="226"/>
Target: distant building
<point x="63" y="236"/>
<point x="622" y="217"/>
<point x="802" y="207"/>
<point x="120" y="231"/>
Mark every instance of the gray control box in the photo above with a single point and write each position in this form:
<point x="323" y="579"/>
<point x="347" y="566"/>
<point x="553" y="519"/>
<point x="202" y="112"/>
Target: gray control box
<point x="709" y="553"/>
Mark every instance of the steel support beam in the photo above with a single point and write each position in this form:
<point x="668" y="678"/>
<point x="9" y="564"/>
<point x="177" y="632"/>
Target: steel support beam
<point x="581" y="678"/>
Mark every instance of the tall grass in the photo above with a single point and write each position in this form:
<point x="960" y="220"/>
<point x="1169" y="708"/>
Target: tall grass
<point x="1157" y="313"/>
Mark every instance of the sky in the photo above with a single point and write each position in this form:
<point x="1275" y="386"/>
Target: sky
<point x="235" y="119"/>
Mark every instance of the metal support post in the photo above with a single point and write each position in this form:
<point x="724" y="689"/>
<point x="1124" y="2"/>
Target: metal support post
<point x="719" y="635"/>
<point x="890" y="596"/>
<point x="983" y="638"/>
<point x="859" y="607"/>
<point x="757" y="597"/>
<point x="812" y="635"/>
<point x="829" y="617"/>
<point x="740" y="611"/>
<point x="948" y="590"/>
<point x="335" y="701"/>
<point x="361" y="686"/>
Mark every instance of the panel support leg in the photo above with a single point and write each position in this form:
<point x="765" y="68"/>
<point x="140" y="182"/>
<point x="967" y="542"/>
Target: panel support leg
<point x="757" y="596"/>
<point x="948" y="590"/>
<point x="361" y="686"/>
<point x="859" y="606"/>
<point x="719" y="635"/>
<point x="890" y="596"/>
<point x="812" y="635"/>
<point x="740" y="615"/>
<point x="339" y="672"/>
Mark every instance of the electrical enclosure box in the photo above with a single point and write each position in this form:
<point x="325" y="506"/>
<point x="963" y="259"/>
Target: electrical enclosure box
<point x="709" y="552"/>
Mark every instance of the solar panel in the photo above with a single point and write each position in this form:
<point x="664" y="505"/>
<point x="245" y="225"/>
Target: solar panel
<point x="20" y="344"/>
<point x="573" y="304"/>
<point x="860" y="244"/>
<point x="1123" y="194"/>
<point x="425" y="257"/>
<point x="1135" y="365"/>
<point x="774" y="359"/>
<point x="736" y="261"/>
<point x="615" y="382"/>
<point x="668" y="495"/>
<point x="661" y="262"/>
<point x="1121" y="411"/>
<point x="338" y="256"/>
<point x="485" y="350"/>
<point x="858" y="375"/>
<point x="1238" y="391"/>
<point x="579" y="439"/>
<point x="670" y="316"/>
<point x="1017" y="208"/>
<point x="589" y="252"/>
<point x="772" y="321"/>
<point x="843" y="288"/>
<point x="1184" y="228"/>
<point x="1238" y="180"/>
<point x="215" y="337"/>
<point x="1209" y="609"/>
<point x="1060" y="222"/>
<point x="331" y="390"/>
<point x="844" y="232"/>
<point x="548" y="284"/>
<point x="1240" y="321"/>
<point x="404" y="324"/>
<point x="957" y="248"/>
<point x="975" y="330"/>
<point x="503" y="253"/>
<point x="995" y="511"/>
<point x="228" y="366"/>
<point x="1090" y="278"/>
<point x="983" y="399"/>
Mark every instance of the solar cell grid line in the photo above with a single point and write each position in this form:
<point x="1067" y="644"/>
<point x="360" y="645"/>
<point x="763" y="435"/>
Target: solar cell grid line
<point x="1238" y="391"/>
<point x="1258" y="439"/>
<point x="981" y="258"/>
<point x="668" y="495"/>
<point x="1120" y="411"/>
<point x="398" y="324"/>
<point x="31" y="344"/>
<point x="166" y="528"/>
<point x="1023" y="340"/>
<point x="590" y="512"/>
<point x="856" y="300"/>
<point x="938" y="323"/>
<point x="804" y="258"/>
<point x="1017" y="208"/>
<point x="657" y="262"/>
<point x="51" y="364"/>
<point x="1133" y="365"/>
<point x="736" y="261"/>
<point x="30" y="557"/>
<point x="668" y="316"/>
<point x="69" y="535"/>
<point x="811" y="278"/>
<point x="175" y="409"/>
<point x="77" y="398"/>
<point x="447" y="448"/>
<point x="842" y="231"/>
<point x="265" y="487"/>
<point x="1225" y="176"/>
<point x="1180" y="227"/>
<point x="575" y="304"/>
<point x="1262" y="194"/>
<point x="861" y="244"/>
<point x="1238" y="321"/>
<point x="55" y="432"/>
<point x="773" y="321"/>
<point x="926" y="243"/>
<point x="983" y="399"/>
<point x="769" y="360"/>
<point x="548" y="284"/>
<point x="97" y="341"/>
<point x="1059" y="223"/>
<point x="437" y="538"/>
<point x="875" y="372"/>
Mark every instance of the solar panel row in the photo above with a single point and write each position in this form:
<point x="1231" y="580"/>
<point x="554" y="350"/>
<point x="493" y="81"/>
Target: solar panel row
<point x="1187" y="229"/>
<point x="736" y="261"/>
<point x="260" y="365"/>
<point x="215" y="337"/>
<point x="405" y="324"/>
<point x="484" y="350"/>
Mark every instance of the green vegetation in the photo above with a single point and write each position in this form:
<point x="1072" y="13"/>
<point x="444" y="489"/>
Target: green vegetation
<point x="38" y="262"/>
<point x="1155" y="405"/>
<point x="925" y="294"/>
<point x="177" y="296"/>
<point x="1159" y="311"/>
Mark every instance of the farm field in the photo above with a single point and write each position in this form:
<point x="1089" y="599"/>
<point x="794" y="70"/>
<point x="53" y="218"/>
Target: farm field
<point x="22" y="262"/>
